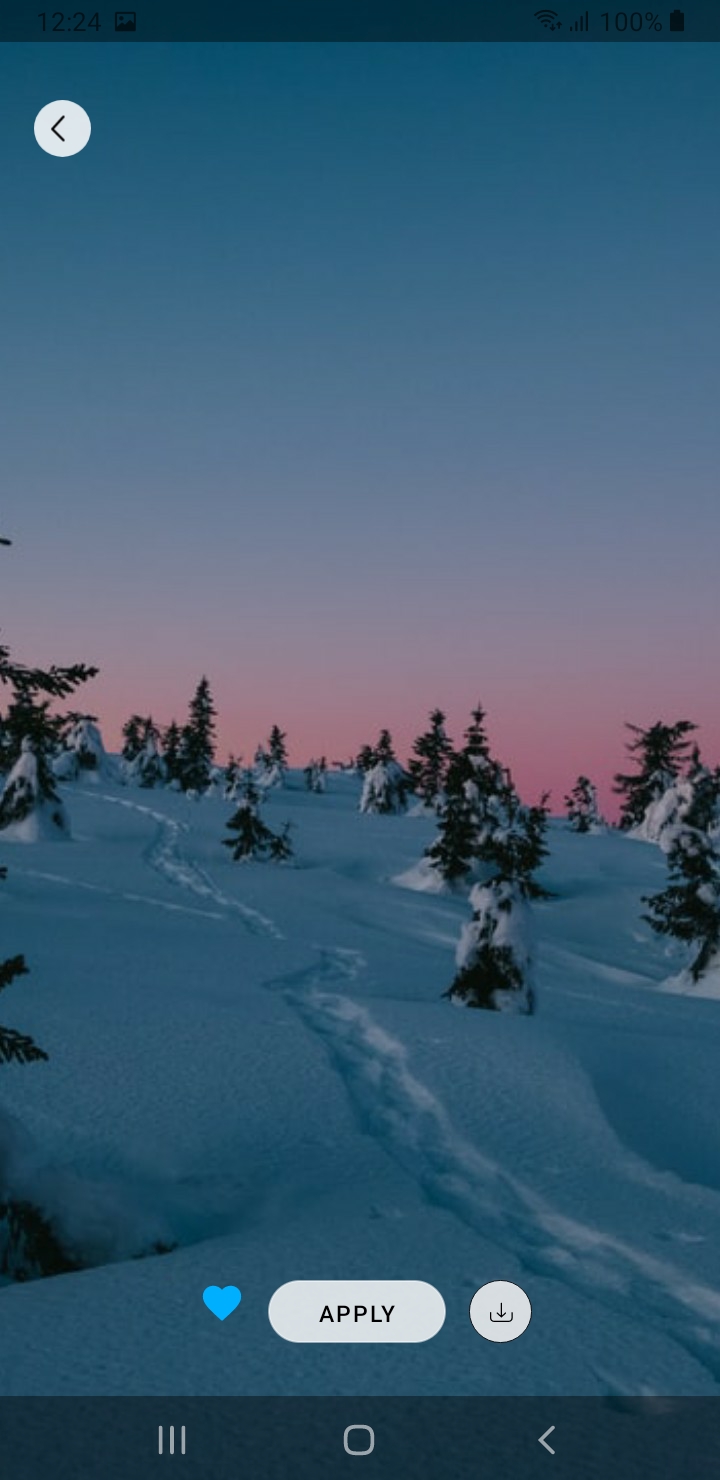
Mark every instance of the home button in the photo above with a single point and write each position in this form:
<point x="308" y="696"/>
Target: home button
<point x="361" y="1434"/>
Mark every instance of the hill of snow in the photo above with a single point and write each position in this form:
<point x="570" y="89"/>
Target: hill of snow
<point x="254" y="1064"/>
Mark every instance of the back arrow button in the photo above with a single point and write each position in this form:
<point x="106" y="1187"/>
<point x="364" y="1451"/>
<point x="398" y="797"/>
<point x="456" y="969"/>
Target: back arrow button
<point x="62" y="128"/>
<point x="543" y="1437"/>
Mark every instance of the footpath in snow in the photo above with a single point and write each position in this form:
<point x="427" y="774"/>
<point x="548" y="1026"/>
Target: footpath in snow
<point x="254" y="1064"/>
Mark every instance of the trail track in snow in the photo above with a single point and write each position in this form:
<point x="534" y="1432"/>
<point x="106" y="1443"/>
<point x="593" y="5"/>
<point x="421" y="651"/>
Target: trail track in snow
<point x="415" y="1128"/>
<point x="148" y="899"/>
<point x="165" y="856"/>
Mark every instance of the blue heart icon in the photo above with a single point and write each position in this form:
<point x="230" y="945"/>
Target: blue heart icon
<point x="222" y="1302"/>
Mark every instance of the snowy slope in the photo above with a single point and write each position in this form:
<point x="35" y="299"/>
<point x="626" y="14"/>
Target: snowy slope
<point x="255" y="1063"/>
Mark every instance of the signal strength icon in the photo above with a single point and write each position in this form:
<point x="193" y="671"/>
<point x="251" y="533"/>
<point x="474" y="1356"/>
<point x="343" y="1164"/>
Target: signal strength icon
<point x="548" y="19"/>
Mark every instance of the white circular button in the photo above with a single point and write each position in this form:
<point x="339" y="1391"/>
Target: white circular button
<point x="500" y="1311"/>
<point x="62" y="128"/>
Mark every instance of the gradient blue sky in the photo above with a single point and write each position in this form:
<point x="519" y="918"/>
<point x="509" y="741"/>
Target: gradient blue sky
<point x="368" y="378"/>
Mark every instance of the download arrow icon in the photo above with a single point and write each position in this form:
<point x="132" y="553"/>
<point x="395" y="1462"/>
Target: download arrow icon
<point x="502" y="1315"/>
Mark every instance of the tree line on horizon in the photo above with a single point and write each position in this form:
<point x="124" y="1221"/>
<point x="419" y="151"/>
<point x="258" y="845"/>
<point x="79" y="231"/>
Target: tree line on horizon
<point x="488" y="840"/>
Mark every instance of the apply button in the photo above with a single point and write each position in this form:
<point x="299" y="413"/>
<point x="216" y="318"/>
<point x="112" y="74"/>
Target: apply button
<point x="357" y="1310"/>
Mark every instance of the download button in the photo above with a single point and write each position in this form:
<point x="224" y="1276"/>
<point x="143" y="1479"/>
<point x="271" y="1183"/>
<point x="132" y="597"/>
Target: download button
<point x="357" y="1310"/>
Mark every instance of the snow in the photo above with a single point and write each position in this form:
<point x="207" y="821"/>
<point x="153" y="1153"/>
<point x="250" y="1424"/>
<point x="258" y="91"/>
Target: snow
<point x="257" y="1065"/>
<point x="664" y="816"/>
<point x="502" y="921"/>
<point x="83" y="753"/>
<point x="383" y="788"/>
<point x="44" y="819"/>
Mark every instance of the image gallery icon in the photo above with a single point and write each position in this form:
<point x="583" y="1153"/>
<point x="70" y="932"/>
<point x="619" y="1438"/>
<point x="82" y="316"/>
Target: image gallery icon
<point x="125" y="20"/>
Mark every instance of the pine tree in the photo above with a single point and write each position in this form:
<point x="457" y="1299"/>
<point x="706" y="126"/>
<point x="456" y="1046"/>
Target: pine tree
<point x="233" y="777"/>
<point x="314" y="774"/>
<point x="384" y="751"/>
<point x="660" y="753"/>
<point x="83" y="744"/>
<point x="18" y="1048"/>
<point x="277" y="748"/>
<point x="452" y="853"/>
<point x="280" y="848"/>
<point x="495" y="954"/>
<point x="251" y="837"/>
<point x="384" y="789"/>
<point x="171" y="745"/>
<point x="30" y="734"/>
<point x="28" y="718"/>
<point x="366" y="759"/>
<point x="431" y="761"/>
<point x="138" y="731"/>
<point x="29" y="796"/>
<point x="28" y="1244"/>
<point x="197" y="748"/>
<point x="385" y="783"/>
<point x="28" y="714"/>
<point x="582" y="807"/>
<point x="132" y="737"/>
<point x="688" y="909"/>
<point x="487" y="836"/>
<point x="473" y="783"/>
<point x="148" y="768"/>
<point x="271" y="761"/>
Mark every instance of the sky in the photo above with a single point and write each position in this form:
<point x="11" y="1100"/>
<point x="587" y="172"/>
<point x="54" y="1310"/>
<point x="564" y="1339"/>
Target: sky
<point x="364" y="379"/>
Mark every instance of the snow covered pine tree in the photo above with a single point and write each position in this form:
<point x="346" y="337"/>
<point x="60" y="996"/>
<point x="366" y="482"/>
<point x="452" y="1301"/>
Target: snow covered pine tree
<point x="132" y="732"/>
<point x="428" y="769"/>
<point x="251" y="838"/>
<point x="29" y="803"/>
<point x="147" y="767"/>
<point x="140" y="733"/>
<point x="688" y="909"/>
<point x="661" y="754"/>
<point x="582" y="807"/>
<point x="472" y="780"/>
<point x="232" y="779"/>
<point x="82" y="747"/>
<point x="315" y="775"/>
<point x="365" y="760"/>
<point x="28" y="1245"/>
<point x="495" y="953"/>
<point x="171" y="746"/>
<point x="197" y="743"/>
<point x="15" y="1047"/>
<point x="29" y="738"/>
<point x="487" y="834"/>
<point x="271" y="762"/>
<point x="385" y="783"/>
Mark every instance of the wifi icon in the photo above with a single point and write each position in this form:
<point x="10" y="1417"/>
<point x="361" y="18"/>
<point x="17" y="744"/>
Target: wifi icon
<point x="548" y="19"/>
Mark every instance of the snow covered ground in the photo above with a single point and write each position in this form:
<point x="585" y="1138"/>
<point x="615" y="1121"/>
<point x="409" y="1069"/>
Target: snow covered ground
<point x="254" y="1063"/>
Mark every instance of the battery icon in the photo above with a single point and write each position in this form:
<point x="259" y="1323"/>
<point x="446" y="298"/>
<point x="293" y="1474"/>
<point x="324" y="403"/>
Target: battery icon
<point x="677" y="20"/>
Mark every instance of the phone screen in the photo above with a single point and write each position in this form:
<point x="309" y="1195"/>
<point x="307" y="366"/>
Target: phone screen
<point x="359" y="746"/>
